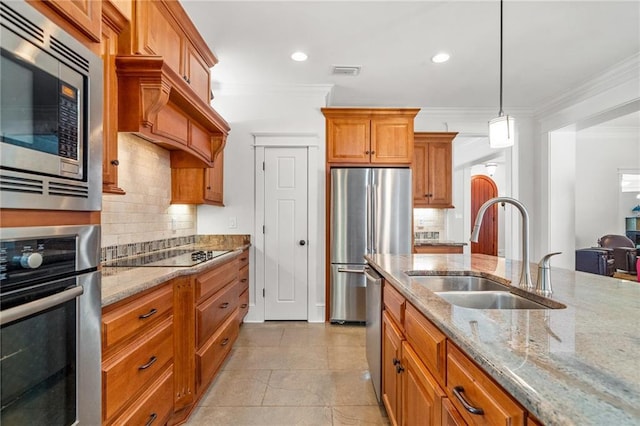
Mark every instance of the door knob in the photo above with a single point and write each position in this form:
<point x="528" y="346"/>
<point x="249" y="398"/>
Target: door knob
<point x="302" y="242"/>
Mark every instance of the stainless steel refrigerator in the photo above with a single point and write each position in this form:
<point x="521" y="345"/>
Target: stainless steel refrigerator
<point x="371" y="211"/>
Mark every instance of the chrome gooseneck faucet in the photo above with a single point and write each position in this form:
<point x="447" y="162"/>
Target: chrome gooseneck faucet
<point x="525" y="274"/>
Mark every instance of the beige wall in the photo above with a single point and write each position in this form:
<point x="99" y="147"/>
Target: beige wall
<point x="144" y="212"/>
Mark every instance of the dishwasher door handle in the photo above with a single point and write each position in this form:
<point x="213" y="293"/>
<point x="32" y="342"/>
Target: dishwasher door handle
<point x="351" y="271"/>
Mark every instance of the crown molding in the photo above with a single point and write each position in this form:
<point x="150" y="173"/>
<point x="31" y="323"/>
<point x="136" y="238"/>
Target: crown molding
<point x="261" y="89"/>
<point x="620" y="73"/>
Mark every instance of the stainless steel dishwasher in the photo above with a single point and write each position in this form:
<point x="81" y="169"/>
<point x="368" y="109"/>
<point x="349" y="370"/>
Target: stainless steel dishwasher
<point x="374" y="327"/>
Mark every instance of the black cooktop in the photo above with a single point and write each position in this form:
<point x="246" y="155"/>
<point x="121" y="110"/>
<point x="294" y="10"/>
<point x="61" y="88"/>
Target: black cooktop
<point x="170" y="258"/>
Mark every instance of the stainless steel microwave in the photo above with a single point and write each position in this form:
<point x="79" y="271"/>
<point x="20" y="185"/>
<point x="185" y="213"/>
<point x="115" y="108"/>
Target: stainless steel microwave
<point x="50" y="115"/>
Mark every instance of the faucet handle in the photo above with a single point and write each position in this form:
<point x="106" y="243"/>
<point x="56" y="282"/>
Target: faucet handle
<point x="543" y="284"/>
<point x="546" y="259"/>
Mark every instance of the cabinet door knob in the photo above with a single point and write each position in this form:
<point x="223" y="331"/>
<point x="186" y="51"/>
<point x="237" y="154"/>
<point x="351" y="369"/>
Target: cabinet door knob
<point x="302" y="242"/>
<point x="366" y="152"/>
<point x="373" y="152"/>
<point x="399" y="369"/>
<point x="396" y="361"/>
<point x="115" y="163"/>
<point x="208" y="187"/>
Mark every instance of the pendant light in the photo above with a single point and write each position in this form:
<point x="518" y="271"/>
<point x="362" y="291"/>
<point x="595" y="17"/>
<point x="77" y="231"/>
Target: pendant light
<point x="501" y="128"/>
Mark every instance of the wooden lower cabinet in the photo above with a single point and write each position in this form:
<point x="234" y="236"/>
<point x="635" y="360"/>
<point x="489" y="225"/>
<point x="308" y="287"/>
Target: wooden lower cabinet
<point x="427" y="380"/>
<point x="162" y="348"/>
<point x="391" y="355"/>
<point x="471" y="387"/>
<point x="421" y="395"/>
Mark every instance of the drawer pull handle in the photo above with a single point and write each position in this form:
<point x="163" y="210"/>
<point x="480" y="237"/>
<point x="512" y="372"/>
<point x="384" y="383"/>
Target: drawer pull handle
<point x="152" y="360"/>
<point x="244" y="305"/>
<point x="244" y="280"/>
<point x="148" y="314"/>
<point x="242" y="259"/>
<point x="224" y="342"/>
<point x="225" y="305"/>
<point x="152" y="418"/>
<point x="457" y="391"/>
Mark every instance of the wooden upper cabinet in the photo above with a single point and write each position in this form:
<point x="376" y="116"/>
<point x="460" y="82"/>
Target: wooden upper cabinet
<point x="198" y="185"/>
<point x="348" y="140"/>
<point x="164" y="85"/>
<point x="160" y="32"/>
<point x="432" y="173"/>
<point x="369" y="136"/>
<point x="114" y="22"/>
<point x="84" y="15"/>
<point x="391" y="140"/>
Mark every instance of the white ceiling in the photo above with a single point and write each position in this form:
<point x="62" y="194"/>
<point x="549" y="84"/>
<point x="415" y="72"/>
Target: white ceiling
<point x="549" y="47"/>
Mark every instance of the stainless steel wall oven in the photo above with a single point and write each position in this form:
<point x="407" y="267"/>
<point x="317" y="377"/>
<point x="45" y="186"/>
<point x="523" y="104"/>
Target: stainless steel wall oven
<point x="50" y="314"/>
<point x="51" y="120"/>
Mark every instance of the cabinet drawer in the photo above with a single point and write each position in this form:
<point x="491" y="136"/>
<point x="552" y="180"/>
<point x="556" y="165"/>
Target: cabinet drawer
<point x="473" y="385"/>
<point x="212" y="312"/>
<point x="135" y="366"/>
<point x="132" y="317"/>
<point x="211" y="281"/>
<point x="243" y="259"/>
<point x="243" y="300"/>
<point x="243" y="276"/>
<point x="394" y="303"/>
<point x="154" y="406"/>
<point x="215" y="350"/>
<point x="428" y="342"/>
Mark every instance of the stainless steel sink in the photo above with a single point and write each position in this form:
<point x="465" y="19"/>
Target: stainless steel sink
<point x="489" y="300"/>
<point x="438" y="283"/>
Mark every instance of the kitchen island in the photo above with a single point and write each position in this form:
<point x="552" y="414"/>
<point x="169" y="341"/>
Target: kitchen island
<point x="577" y="365"/>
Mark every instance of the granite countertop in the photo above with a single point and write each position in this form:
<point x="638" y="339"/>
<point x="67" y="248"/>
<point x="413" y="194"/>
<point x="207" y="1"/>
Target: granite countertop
<point x="437" y="243"/>
<point x="120" y="283"/>
<point x="579" y="365"/>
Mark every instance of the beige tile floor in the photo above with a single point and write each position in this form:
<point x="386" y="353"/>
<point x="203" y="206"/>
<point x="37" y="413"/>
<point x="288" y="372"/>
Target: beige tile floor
<point x="293" y="373"/>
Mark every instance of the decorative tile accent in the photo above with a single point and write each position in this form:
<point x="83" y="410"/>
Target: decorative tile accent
<point x="132" y="249"/>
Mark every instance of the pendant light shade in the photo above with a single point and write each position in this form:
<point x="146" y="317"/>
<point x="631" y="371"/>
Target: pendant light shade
<point x="501" y="128"/>
<point x="501" y="132"/>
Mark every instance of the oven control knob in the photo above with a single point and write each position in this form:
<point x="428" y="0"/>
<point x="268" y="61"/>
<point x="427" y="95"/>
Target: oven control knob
<point x="31" y="260"/>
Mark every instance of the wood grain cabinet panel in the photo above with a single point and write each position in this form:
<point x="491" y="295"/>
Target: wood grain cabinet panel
<point x="369" y="136"/>
<point x="155" y="406"/>
<point x="214" y="182"/>
<point x="212" y="312"/>
<point x="135" y="367"/>
<point x="432" y="178"/>
<point x="466" y="382"/>
<point x="135" y="316"/>
<point x="210" y="356"/>
<point x="211" y="281"/>
<point x="391" y="378"/>
<point x="391" y="140"/>
<point x="198" y="185"/>
<point x="451" y="416"/>
<point x="394" y="303"/>
<point x="427" y="341"/>
<point x="84" y="15"/>
<point x="421" y="395"/>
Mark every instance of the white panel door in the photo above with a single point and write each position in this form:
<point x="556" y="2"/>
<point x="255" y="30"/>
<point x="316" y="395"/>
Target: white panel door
<point x="285" y="233"/>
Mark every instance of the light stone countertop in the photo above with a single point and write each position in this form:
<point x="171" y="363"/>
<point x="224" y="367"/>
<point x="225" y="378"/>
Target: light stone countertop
<point x="120" y="283"/>
<point x="579" y="365"/>
<point x="437" y="243"/>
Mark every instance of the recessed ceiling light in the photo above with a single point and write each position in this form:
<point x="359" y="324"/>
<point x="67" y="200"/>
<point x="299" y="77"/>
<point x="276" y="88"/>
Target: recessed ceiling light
<point x="440" y="58"/>
<point x="299" y="56"/>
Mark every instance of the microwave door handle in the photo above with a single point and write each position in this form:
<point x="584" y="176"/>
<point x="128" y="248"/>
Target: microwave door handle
<point x="19" y="312"/>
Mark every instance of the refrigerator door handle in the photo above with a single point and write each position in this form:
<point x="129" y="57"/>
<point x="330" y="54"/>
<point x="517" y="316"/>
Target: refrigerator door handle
<point x="351" y="270"/>
<point x="374" y="242"/>
<point x="369" y="220"/>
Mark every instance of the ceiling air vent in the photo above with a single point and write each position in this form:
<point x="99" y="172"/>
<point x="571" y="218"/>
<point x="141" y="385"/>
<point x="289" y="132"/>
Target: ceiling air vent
<point x="346" y="70"/>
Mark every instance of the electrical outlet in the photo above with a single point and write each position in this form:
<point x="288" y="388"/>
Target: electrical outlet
<point x="233" y="222"/>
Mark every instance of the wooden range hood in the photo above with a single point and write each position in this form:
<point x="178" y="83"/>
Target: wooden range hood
<point x="157" y="104"/>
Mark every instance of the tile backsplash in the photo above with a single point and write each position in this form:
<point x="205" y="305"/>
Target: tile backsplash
<point x="144" y="214"/>
<point x="429" y="224"/>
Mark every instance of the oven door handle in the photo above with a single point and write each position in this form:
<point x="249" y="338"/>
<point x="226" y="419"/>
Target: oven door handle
<point x="39" y="305"/>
